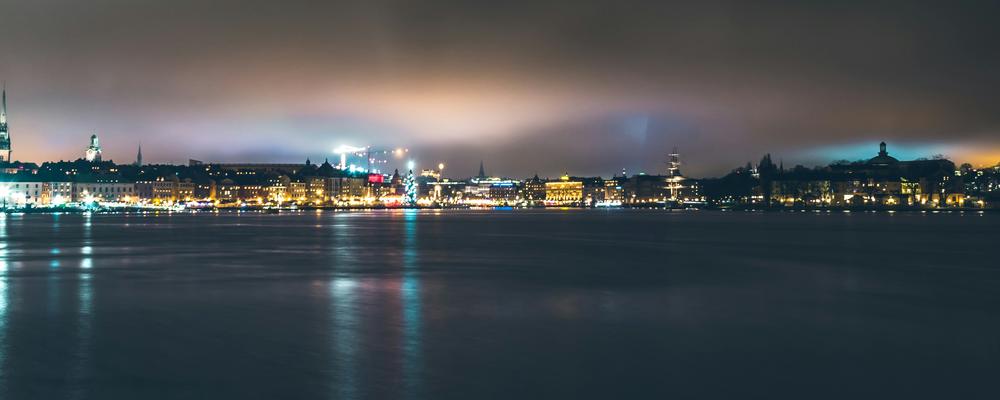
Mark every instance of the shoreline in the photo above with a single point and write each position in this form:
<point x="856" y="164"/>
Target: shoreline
<point x="285" y="210"/>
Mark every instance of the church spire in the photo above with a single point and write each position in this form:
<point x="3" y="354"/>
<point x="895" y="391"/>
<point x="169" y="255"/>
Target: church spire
<point x="3" y="112"/>
<point x="482" y="171"/>
<point x="4" y="130"/>
<point x="138" y="156"/>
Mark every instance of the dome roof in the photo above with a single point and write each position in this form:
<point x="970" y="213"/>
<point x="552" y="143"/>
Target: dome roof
<point x="883" y="158"/>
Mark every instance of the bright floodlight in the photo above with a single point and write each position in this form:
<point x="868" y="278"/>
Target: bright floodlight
<point x="410" y="164"/>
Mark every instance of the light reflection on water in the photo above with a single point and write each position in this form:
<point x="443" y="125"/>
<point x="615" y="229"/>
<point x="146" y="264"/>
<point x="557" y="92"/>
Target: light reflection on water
<point x="80" y="367"/>
<point x="54" y="278"/>
<point x="4" y="302"/>
<point x="442" y="304"/>
<point x="410" y="290"/>
<point x="345" y="324"/>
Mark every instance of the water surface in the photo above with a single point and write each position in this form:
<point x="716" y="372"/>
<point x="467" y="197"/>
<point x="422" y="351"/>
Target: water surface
<point x="499" y="304"/>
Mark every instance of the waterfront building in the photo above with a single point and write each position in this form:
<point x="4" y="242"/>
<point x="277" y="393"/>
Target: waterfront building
<point x="881" y="181"/>
<point x="503" y="191"/>
<point x="206" y="189"/>
<point x="165" y="190"/>
<point x="252" y="193"/>
<point x="645" y="189"/>
<point x="277" y="189"/>
<point x="103" y="189"/>
<point x="316" y="190"/>
<point x="564" y="191"/>
<point x="614" y="190"/>
<point x="227" y="192"/>
<point x="350" y="189"/>
<point x="22" y="191"/>
<point x="57" y="192"/>
<point x="533" y="190"/>
<point x="297" y="192"/>
<point x="446" y="191"/>
<point x="486" y="189"/>
<point x="593" y="190"/>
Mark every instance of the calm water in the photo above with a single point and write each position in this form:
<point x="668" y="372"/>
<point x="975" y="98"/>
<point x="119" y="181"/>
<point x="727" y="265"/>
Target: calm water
<point x="467" y="305"/>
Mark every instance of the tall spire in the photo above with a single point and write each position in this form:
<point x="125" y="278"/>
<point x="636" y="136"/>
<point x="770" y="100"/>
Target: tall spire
<point x="482" y="171"/>
<point x="4" y="130"/>
<point x="138" y="156"/>
<point x="3" y="112"/>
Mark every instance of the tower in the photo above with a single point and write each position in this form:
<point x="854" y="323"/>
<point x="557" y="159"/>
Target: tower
<point x="674" y="177"/>
<point x="482" y="171"/>
<point x="4" y="132"/>
<point x="93" y="153"/>
<point x="673" y="164"/>
<point x="138" y="157"/>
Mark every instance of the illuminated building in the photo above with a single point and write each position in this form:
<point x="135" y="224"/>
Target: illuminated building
<point x="277" y="189"/>
<point x="882" y="181"/>
<point x="297" y="192"/>
<point x="348" y="188"/>
<point x="206" y="190"/>
<point x="227" y="191"/>
<point x="613" y="190"/>
<point x="20" y="193"/>
<point x="165" y="190"/>
<point x="533" y="190"/>
<point x="491" y="188"/>
<point x="564" y="191"/>
<point x="316" y="192"/>
<point x="446" y="191"/>
<point x="57" y="193"/>
<point x="104" y="189"/>
<point x="251" y="193"/>
<point x="504" y="191"/>
<point x="93" y="153"/>
<point x="593" y="190"/>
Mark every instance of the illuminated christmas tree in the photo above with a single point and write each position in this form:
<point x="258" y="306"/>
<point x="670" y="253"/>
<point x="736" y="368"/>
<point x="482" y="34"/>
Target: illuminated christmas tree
<point x="410" y="186"/>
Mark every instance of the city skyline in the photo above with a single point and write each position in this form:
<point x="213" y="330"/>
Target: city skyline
<point x="720" y="80"/>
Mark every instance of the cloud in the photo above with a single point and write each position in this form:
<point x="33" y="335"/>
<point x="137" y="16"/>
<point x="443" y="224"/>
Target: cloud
<point x="567" y="83"/>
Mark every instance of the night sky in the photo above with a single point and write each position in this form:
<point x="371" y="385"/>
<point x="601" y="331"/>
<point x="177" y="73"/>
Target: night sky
<point x="582" y="86"/>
